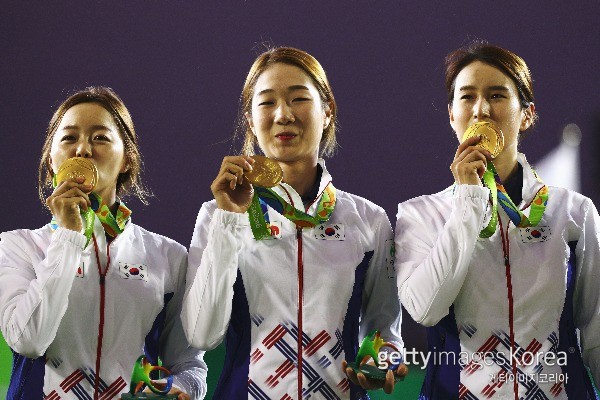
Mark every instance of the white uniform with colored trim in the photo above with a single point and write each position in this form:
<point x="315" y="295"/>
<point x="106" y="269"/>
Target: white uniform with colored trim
<point x="49" y="305"/>
<point x="257" y="295"/>
<point x="441" y="262"/>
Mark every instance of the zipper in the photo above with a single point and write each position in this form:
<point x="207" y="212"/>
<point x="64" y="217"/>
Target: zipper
<point x="102" y="282"/>
<point x="300" y="302"/>
<point x="506" y="252"/>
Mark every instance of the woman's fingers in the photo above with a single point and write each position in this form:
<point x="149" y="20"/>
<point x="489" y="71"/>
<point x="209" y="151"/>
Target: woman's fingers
<point x="231" y="191"/>
<point x="388" y="386"/>
<point x="232" y="170"/>
<point x="470" y="162"/>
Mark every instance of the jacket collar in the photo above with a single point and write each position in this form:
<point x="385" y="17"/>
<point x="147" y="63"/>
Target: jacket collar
<point x="292" y="197"/>
<point x="532" y="183"/>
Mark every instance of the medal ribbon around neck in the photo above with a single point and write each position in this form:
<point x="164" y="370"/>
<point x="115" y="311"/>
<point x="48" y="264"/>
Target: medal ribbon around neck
<point x="492" y="181"/>
<point x="264" y="197"/>
<point x="112" y="225"/>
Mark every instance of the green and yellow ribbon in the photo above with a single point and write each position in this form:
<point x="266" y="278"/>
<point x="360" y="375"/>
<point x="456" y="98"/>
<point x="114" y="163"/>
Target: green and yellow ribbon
<point x="492" y="181"/>
<point x="264" y="198"/>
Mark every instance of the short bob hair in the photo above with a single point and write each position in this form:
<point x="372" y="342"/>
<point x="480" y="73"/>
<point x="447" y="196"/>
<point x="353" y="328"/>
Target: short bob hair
<point x="129" y="182"/>
<point x="308" y="64"/>
<point x="506" y="61"/>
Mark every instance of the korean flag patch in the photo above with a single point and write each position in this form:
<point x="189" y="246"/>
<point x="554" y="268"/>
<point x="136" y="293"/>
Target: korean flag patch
<point x="133" y="271"/>
<point x="535" y="234"/>
<point x="329" y="231"/>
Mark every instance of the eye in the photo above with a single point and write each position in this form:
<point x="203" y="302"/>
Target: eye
<point x="498" y="96"/>
<point x="466" y="97"/>
<point x="301" y="99"/>
<point x="67" y="138"/>
<point x="265" y="103"/>
<point x="101" y="137"/>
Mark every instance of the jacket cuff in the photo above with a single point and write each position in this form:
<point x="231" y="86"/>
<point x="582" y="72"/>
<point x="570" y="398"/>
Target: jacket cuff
<point x="67" y="235"/>
<point x="471" y="191"/>
<point x="225" y="218"/>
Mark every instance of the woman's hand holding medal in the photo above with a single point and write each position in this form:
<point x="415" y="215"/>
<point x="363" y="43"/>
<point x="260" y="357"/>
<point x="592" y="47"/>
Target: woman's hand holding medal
<point x="75" y="179"/>
<point x="231" y="191"/>
<point x="470" y="162"/>
<point x="233" y="187"/>
<point x="481" y="142"/>
<point x="67" y="201"/>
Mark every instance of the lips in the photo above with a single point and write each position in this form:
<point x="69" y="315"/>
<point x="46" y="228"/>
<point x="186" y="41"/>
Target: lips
<point x="286" y="136"/>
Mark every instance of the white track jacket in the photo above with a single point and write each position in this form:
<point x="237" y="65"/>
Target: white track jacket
<point x="53" y="305"/>
<point x="504" y="308"/>
<point x="291" y="308"/>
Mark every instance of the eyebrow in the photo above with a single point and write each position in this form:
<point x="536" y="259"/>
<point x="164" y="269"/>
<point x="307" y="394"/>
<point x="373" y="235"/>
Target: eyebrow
<point x="495" y="87"/>
<point x="290" y="88"/>
<point x="93" y="127"/>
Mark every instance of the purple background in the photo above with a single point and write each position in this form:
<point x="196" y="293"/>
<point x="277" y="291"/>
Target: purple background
<point x="180" y="67"/>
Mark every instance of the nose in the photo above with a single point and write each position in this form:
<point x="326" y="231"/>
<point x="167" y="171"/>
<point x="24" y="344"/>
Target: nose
<point x="481" y="108"/>
<point x="284" y="114"/>
<point x="84" y="149"/>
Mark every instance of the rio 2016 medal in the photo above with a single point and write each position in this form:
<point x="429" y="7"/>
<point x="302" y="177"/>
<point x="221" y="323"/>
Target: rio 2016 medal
<point x="265" y="172"/>
<point x="492" y="138"/>
<point x="77" y="167"/>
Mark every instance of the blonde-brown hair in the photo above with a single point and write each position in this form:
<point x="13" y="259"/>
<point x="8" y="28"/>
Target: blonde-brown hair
<point x="129" y="182"/>
<point x="308" y="64"/>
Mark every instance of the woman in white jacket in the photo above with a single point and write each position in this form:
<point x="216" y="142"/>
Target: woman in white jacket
<point x="78" y="306"/>
<point x="294" y="304"/>
<point x="502" y="300"/>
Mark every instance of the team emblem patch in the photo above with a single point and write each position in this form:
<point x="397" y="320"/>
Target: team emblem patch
<point x="390" y="256"/>
<point x="329" y="232"/>
<point x="535" y="234"/>
<point x="133" y="271"/>
<point x="275" y="229"/>
<point x="80" y="271"/>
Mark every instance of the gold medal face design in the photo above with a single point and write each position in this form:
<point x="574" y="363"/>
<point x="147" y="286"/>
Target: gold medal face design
<point x="76" y="167"/>
<point x="265" y="172"/>
<point x="492" y="138"/>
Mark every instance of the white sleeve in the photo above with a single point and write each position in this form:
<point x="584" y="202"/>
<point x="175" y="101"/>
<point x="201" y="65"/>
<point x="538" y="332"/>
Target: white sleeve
<point x="185" y="362"/>
<point x="586" y="304"/>
<point x="34" y="296"/>
<point x="432" y="262"/>
<point x="381" y="308"/>
<point x="213" y="268"/>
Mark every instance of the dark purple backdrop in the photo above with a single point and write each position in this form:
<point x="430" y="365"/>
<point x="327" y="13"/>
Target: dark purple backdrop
<point x="180" y="67"/>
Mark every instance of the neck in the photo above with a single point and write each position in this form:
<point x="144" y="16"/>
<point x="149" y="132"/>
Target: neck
<point x="506" y="164"/>
<point x="300" y="175"/>
<point x="109" y="197"/>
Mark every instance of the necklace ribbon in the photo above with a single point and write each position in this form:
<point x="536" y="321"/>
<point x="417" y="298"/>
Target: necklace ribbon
<point x="264" y="198"/>
<point x="498" y="194"/>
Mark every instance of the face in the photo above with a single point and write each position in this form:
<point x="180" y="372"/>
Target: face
<point x="287" y="114"/>
<point x="89" y="130"/>
<point x="484" y="93"/>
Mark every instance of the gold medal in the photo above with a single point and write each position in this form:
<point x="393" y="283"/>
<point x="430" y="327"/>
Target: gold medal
<point x="78" y="167"/>
<point x="492" y="138"/>
<point x="265" y="172"/>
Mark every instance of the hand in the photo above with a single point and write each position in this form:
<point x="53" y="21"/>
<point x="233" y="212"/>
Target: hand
<point x="470" y="162"/>
<point x="372" y="384"/>
<point x="161" y="386"/>
<point x="67" y="201"/>
<point x="231" y="190"/>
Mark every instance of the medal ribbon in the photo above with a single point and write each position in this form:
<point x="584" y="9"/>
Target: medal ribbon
<point x="112" y="225"/>
<point x="264" y="198"/>
<point x="492" y="181"/>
